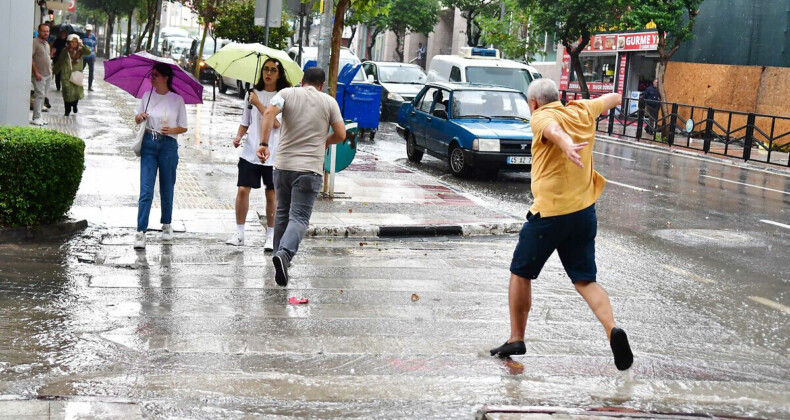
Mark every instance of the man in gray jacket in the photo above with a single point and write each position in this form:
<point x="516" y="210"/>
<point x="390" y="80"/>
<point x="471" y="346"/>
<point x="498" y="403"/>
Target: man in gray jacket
<point x="307" y="115"/>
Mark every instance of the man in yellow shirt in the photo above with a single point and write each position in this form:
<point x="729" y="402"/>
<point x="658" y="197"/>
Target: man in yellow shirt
<point x="562" y="217"/>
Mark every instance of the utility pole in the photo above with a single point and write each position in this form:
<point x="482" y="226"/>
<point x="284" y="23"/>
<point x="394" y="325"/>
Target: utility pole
<point x="325" y="38"/>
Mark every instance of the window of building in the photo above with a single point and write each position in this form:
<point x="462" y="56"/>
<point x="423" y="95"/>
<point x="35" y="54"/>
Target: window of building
<point x="597" y="68"/>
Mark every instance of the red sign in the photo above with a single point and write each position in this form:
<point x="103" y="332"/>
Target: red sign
<point x="621" y="69"/>
<point x="72" y="6"/>
<point x="640" y="41"/>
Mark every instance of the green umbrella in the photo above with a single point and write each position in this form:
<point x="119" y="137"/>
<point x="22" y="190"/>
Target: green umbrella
<point x="244" y="62"/>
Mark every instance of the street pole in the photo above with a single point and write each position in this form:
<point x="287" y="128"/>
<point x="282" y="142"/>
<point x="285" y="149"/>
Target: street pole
<point x="325" y="39"/>
<point x="266" y="38"/>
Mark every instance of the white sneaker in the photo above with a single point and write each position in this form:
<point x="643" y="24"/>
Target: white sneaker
<point x="139" y="240"/>
<point x="39" y="122"/>
<point x="269" y="246"/>
<point x="235" y="240"/>
<point x="167" y="232"/>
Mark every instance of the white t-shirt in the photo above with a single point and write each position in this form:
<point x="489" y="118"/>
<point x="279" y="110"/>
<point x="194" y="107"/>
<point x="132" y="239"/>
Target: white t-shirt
<point x="164" y="110"/>
<point x="251" y="118"/>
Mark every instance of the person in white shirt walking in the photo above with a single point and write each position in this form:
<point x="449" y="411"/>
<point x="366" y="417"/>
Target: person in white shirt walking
<point x="165" y="116"/>
<point x="251" y="169"/>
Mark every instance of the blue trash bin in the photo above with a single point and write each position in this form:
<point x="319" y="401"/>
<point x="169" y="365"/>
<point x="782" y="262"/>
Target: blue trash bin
<point x="361" y="101"/>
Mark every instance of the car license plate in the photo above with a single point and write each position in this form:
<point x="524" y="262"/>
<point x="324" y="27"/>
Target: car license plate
<point x="519" y="160"/>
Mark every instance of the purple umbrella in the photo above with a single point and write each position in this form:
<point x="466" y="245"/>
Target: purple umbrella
<point x="133" y="74"/>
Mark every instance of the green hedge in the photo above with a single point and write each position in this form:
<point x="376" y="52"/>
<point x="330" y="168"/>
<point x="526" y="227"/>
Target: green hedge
<point x="40" y="171"/>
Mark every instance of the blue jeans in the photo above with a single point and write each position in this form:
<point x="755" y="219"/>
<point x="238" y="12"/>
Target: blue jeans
<point x="296" y="193"/>
<point x="158" y="153"/>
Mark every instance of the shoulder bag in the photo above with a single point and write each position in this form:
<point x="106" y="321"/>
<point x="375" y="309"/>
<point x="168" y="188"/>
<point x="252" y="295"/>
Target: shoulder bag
<point x="139" y="133"/>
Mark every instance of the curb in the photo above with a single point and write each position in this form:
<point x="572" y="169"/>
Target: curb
<point x="395" y="231"/>
<point x="42" y="232"/>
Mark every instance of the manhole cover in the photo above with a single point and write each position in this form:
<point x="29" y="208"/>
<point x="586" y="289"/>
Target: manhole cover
<point x="719" y="238"/>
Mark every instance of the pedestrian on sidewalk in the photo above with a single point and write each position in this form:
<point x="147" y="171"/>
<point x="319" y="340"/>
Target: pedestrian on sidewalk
<point x="251" y="169"/>
<point x="89" y="40"/>
<point x="166" y="118"/>
<point x="651" y="98"/>
<point x="42" y="72"/>
<point x="59" y="44"/>
<point x="562" y="217"/>
<point x="69" y="66"/>
<point x="307" y="115"/>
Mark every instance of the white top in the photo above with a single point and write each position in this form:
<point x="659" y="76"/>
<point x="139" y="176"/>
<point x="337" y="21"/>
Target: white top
<point x="164" y="110"/>
<point x="251" y="118"/>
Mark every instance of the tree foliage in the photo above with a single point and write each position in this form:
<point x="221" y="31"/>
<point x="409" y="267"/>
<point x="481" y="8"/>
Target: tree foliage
<point x="208" y="11"/>
<point x="674" y="21"/>
<point x="236" y="22"/>
<point x="508" y="29"/>
<point x="472" y="11"/>
<point x="112" y="9"/>
<point x="412" y="16"/>
<point x="573" y="22"/>
<point x="341" y="7"/>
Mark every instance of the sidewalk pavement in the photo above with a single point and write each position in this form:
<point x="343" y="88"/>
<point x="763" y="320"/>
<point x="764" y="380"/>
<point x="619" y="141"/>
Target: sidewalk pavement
<point x="380" y="198"/>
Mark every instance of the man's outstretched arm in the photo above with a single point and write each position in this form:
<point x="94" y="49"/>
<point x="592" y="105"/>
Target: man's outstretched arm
<point x="611" y="100"/>
<point x="555" y="134"/>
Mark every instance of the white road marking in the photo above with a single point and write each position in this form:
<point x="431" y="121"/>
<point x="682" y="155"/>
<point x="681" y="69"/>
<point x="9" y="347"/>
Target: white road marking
<point x="748" y="185"/>
<point x="770" y="303"/>
<point x="627" y="186"/>
<point x="687" y="274"/>
<point x="771" y="222"/>
<point x="616" y="157"/>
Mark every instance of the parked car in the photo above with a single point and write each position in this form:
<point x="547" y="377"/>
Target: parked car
<point x="472" y="126"/>
<point x="481" y="65"/>
<point x="400" y="82"/>
<point x="189" y="60"/>
<point x="175" y="46"/>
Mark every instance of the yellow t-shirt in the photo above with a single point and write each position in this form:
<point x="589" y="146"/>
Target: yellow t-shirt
<point x="558" y="185"/>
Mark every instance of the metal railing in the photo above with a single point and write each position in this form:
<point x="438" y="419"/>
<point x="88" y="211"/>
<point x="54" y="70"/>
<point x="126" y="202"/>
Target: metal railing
<point x="748" y="136"/>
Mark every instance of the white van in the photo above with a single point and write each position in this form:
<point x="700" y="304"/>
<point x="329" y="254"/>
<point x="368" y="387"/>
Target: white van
<point x="481" y="66"/>
<point x="346" y="57"/>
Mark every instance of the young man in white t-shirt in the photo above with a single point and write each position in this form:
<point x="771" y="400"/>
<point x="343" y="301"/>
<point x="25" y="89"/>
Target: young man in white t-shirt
<point x="252" y="170"/>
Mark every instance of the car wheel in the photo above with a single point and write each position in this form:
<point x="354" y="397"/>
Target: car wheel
<point x="458" y="164"/>
<point x="223" y="88"/>
<point x="240" y="89"/>
<point x="412" y="153"/>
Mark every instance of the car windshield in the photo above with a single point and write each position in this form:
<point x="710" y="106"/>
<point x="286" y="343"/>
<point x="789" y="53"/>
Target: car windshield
<point x="489" y="104"/>
<point x="401" y="74"/>
<point x="517" y="79"/>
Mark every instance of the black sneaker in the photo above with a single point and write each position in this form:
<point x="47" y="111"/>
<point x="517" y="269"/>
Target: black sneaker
<point x="281" y="269"/>
<point x="509" y="349"/>
<point x="623" y="358"/>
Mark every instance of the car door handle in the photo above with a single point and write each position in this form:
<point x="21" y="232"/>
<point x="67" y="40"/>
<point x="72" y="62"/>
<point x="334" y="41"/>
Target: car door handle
<point x="413" y="113"/>
<point x="428" y="119"/>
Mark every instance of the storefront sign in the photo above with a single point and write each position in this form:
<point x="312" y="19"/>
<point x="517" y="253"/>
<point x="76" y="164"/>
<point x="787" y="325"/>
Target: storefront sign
<point x="592" y="86"/>
<point x="621" y="69"/>
<point x="641" y="41"/>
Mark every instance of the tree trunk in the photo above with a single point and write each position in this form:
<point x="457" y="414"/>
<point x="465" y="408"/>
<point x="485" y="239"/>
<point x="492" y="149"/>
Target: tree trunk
<point x="470" y="31"/>
<point x="353" y="32"/>
<point x="337" y="33"/>
<point x="199" y="57"/>
<point x="151" y="34"/>
<point x="108" y="40"/>
<point x="373" y="36"/>
<point x="477" y="35"/>
<point x="129" y="31"/>
<point x="399" y="38"/>
<point x="576" y="64"/>
<point x="141" y="35"/>
<point x="307" y="25"/>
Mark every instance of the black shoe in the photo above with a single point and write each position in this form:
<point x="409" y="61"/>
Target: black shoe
<point x="281" y="269"/>
<point x="90" y="89"/>
<point x="74" y="107"/>
<point x="68" y="110"/>
<point x="509" y="349"/>
<point x="623" y="358"/>
<point x="46" y="103"/>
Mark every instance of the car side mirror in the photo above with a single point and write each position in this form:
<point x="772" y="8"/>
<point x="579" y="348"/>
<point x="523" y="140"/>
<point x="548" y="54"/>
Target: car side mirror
<point x="440" y="113"/>
<point x="371" y="79"/>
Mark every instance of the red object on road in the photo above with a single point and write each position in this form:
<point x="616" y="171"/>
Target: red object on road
<point x="297" y="301"/>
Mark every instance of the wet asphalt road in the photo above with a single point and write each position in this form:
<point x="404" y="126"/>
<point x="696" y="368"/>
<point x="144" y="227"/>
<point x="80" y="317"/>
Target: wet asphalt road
<point x="400" y="328"/>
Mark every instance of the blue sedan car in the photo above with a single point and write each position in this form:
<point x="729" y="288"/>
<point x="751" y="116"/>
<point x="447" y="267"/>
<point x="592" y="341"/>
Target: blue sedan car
<point x="472" y="126"/>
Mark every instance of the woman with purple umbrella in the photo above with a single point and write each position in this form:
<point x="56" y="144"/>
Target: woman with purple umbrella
<point x="165" y="115"/>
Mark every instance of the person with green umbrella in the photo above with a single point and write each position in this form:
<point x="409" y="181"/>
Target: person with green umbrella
<point x="251" y="170"/>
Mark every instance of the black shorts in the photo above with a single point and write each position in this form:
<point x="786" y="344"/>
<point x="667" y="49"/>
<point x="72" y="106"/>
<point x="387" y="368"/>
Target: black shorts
<point x="250" y="175"/>
<point x="572" y="235"/>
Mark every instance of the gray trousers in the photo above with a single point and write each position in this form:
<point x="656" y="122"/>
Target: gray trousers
<point x="296" y="193"/>
<point x="40" y="91"/>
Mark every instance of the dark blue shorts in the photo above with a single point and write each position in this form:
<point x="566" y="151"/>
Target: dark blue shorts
<point x="572" y="235"/>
